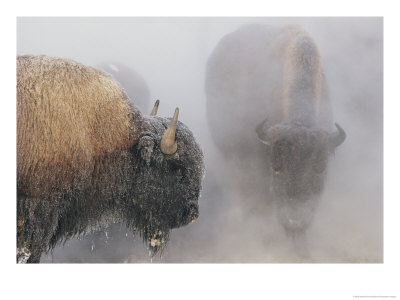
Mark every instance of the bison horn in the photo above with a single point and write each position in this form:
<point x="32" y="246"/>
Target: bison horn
<point x="155" y="108"/>
<point x="168" y="144"/>
<point x="261" y="132"/>
<point x="337" y="138"/>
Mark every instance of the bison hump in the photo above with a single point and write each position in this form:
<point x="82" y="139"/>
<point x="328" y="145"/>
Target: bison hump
<point x="68" y="116"/>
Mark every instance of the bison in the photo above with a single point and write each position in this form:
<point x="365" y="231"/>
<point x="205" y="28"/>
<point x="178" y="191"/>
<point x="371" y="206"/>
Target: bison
<point x="131" y="81"/>
<point x="86" y="156"/>
<point x="267" y="84"/>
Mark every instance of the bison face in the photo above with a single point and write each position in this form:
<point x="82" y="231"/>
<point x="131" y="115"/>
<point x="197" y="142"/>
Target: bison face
<point x="299" y="157"/>
<point x="165" y="194"/>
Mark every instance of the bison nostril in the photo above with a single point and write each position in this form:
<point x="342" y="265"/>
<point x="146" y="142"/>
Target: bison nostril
<point x="193" y="211"/>
<point x="194" y="219"/>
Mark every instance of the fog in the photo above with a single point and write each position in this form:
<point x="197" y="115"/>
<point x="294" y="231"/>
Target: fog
<point x="235" y="224"/>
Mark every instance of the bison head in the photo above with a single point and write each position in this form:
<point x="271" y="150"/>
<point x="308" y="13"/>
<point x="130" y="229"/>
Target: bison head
<point x="169" y="167"/>
<point x="299" y="157"/>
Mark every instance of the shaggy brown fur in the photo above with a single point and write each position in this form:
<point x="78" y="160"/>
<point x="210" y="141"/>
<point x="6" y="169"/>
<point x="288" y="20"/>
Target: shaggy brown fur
<point x="303" y="77"/>
<point x="68" y="116"/>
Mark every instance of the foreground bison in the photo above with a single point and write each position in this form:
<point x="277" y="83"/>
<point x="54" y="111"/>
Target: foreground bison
<point x="268" y="83"/>
<point x="86" y="156"/>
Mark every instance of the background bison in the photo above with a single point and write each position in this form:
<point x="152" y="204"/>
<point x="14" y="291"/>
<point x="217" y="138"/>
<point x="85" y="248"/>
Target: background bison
<point x="86" y="156"/>
<point x="273" y="85"/>
<point x="131" y="81"/>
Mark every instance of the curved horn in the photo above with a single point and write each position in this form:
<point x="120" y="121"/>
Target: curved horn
<point x="337" y="138"/>
<point x="261" y="133"/>
<point x="155" y="108"/>
<point x="168" y="144"/>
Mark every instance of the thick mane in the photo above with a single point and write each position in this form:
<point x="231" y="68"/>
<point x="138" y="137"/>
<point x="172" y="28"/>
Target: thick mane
<point x="68" y="116"/>
<point x="305" y="98"/>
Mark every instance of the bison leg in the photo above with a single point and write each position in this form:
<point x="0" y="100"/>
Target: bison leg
<point x="299" y="241"/>
<point x="35" y="257"/>
<point x="37" y="222"/>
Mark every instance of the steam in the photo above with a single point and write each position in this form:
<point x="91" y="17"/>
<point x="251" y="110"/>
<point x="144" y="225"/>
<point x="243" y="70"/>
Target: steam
<point x="238" y="224"/>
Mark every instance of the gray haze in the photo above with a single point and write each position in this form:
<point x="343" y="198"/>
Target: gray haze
<point x="170" y="54"/>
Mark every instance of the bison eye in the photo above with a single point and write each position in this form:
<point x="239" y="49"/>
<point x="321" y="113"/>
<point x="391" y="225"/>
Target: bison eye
<point x="179" y="172"/>
<point x="178" y="169"/>
<point x="320" y="161"/>
<point x="319" y="165"/>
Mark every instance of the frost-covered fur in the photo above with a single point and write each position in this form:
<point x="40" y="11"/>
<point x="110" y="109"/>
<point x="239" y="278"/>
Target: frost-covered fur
<point x="267" y="83"/>
<point x="86" y="157"/>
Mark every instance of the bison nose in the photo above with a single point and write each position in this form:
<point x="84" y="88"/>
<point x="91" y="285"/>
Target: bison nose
<point x="194" y="211"/>
<point x="194" y="219"/>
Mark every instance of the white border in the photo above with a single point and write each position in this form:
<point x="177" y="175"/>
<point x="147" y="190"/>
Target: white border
<point x="262" y="281"/>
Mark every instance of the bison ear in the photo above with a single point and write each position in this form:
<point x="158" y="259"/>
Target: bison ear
<point x="261" y="131"/>
<point x="146" y="146"/>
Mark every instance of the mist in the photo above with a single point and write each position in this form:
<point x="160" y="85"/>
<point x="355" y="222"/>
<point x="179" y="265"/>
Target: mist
<point x="236" y="224"/>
